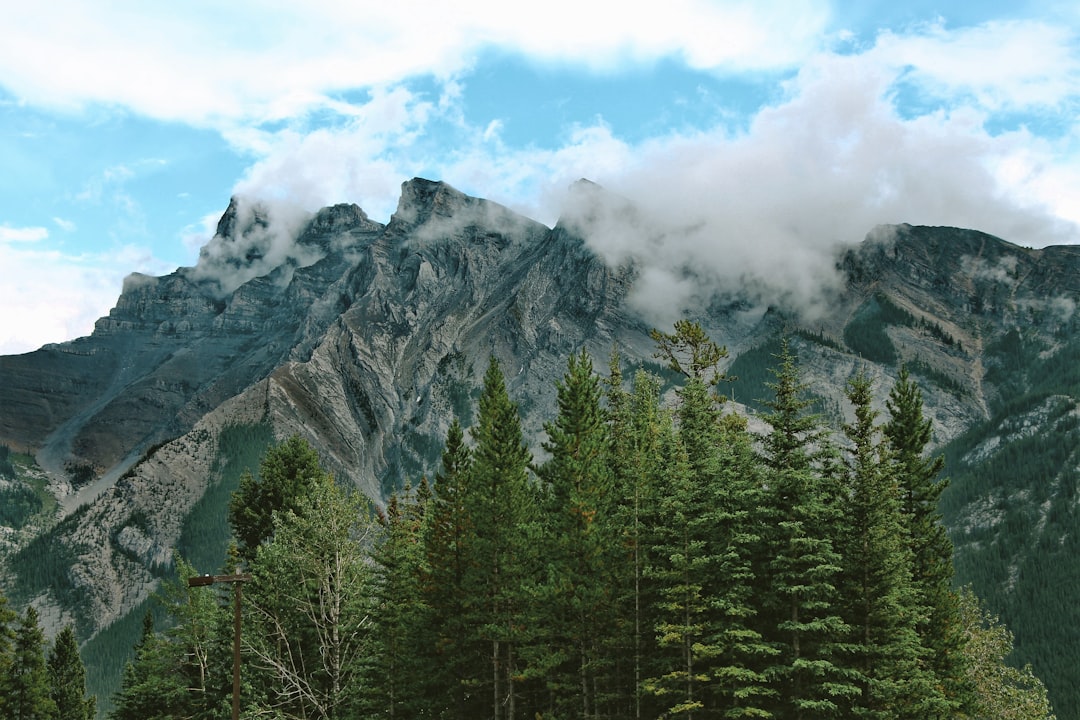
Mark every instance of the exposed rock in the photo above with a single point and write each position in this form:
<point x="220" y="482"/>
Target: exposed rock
<point x="366" y="340"/>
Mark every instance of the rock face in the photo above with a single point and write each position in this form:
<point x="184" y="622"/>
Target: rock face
<point x="367" y="339"/>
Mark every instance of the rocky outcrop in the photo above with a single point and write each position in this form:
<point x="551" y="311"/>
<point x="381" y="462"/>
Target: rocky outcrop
<point x="367" y="339"/>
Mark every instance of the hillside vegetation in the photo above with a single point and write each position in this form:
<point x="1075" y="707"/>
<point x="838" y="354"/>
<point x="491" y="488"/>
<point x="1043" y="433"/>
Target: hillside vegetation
<point x="653" y="563"/>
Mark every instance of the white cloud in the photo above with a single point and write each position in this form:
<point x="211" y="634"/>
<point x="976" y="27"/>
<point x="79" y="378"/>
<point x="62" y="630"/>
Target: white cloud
<point x="247" y="61"/>
<point x="10" y="234"/>
<point x="1003" y="65"/>
<point x="65" y="225"/>
<point x="50" y="297"/>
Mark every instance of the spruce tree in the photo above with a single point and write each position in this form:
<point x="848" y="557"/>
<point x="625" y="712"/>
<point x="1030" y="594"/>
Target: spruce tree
<point x="678" y="574"/>
<point x="453" y="651"/>
<point x="636" y="429"/>
<point x="398" y="671"/>
<point x="577" y="605"/>
<point x="799" y="562"/>
<point x="287" y="472"/>
<point x="502" y="509"/>
<point x="878" y="598"/>
<point x="940" y="630"/>
<point x="67" y="679"/>
<point x="26" y="687"/>
<point x="704" y="548"/>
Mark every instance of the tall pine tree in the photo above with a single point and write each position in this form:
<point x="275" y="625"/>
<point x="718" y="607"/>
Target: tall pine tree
<point x="67" y="679"/>
<point x="577" y="606"/>
<point x="453" y="649"/>
<point x="878" y="598"/>
<point x="501" y="506"/>
<point x="636" y="431"/>
<point x="917" y="475"/>
<point x="800" y="565"/>
<point x="26" y="687"/>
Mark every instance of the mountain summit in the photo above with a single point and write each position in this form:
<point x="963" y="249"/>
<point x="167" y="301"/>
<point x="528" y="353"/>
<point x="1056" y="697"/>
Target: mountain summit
<point x="368" y="339"/>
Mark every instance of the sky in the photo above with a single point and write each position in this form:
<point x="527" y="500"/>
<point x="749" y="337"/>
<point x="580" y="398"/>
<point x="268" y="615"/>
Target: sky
<point x="753" y="136"/>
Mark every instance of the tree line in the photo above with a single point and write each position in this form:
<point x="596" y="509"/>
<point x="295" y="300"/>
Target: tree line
<point x="39" y="680"/>
<point x="659" y="562"/>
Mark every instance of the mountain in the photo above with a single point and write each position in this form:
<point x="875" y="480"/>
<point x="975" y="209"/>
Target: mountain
<point x="367" y="339"/>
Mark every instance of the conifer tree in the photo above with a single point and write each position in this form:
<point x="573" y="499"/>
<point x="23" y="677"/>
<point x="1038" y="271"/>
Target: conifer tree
<point x="501" y="506"/>
<point x="26" y="687"/>
<point x="576" y="590"/>
<point x="67" y="679"/>
<point x="800" y="565"/>
<point x="398" y="671"/>
<point x="635" y="436"/>
<point x="682" y="563"/>
<point x="453" y="650"/>
<point x="704" y="551"/>
<point x="7" y="646"/>
<point x="879" y="601"/>
<point x="909" y="435"/>
<point x="286" y="474"/>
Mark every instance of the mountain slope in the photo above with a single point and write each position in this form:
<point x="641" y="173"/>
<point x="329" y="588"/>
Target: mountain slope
<point x="366" y="339"/>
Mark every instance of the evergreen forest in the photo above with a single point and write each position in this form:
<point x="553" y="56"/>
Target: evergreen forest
<point x="659" y="560"/>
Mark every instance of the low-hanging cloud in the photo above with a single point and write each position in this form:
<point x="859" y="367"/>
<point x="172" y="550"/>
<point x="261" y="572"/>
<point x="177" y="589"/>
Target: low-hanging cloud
<point x="759" y="210"/>
<point x="763" y="213"/>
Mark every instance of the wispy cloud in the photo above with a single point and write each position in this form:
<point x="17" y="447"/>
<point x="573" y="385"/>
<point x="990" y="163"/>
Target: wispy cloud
<point x="255" y="61"/>
<point x="10" y="234"/>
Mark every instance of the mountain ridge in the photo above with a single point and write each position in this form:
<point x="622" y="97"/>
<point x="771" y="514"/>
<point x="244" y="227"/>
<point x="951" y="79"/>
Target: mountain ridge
<point x="368" y="338"/>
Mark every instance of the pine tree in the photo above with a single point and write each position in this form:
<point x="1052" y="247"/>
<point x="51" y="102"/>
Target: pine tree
<point x="501" y="508"/>
<point x="636" y="428"/>
<point x="678" y="575"/>
<point x="703" y="554"/>
<point x="67" y="679"/>
<point x="909" y="435"/>
<point x="400" y="616"/>
<point x="151" y="688"/>
<point x="800" y="565"/>
<point x="577" y="608"/>
<point x="287" y="472"/>
<point x="26" y="686"/>
<point x="877" y="595"/>
<point x="453" y="653"/>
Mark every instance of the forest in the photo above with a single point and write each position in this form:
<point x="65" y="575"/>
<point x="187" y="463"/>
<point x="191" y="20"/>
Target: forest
<point x="659" y="561"/>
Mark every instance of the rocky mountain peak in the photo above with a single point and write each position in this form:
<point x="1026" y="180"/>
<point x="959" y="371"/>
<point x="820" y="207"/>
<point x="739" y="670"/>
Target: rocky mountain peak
<point x="240" y="218"/>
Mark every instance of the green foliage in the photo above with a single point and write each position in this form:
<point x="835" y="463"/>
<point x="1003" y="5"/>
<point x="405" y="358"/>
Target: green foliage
<point x="205" y="534"/>
<point x="307" y="632"/>
<point x="67" y="679"/>
<point x="689" y="351"/>
<point x="18" y="503"/>
<point x="1000" y="691"/>
<point x="660" y="564"/>
<point x="866" y="333"/>
<point x="286" y="473"/>
<point x="25" y="690"/>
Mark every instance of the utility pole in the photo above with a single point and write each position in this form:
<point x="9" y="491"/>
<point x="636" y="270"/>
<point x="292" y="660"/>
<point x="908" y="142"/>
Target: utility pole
<point x="237" y="583"/>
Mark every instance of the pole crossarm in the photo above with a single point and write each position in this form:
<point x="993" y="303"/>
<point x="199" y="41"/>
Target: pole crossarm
<point x="202" y="580"/>
<point x="237" y="580"/>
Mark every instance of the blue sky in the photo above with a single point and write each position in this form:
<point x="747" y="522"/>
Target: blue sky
<point x="781" y="129"/>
